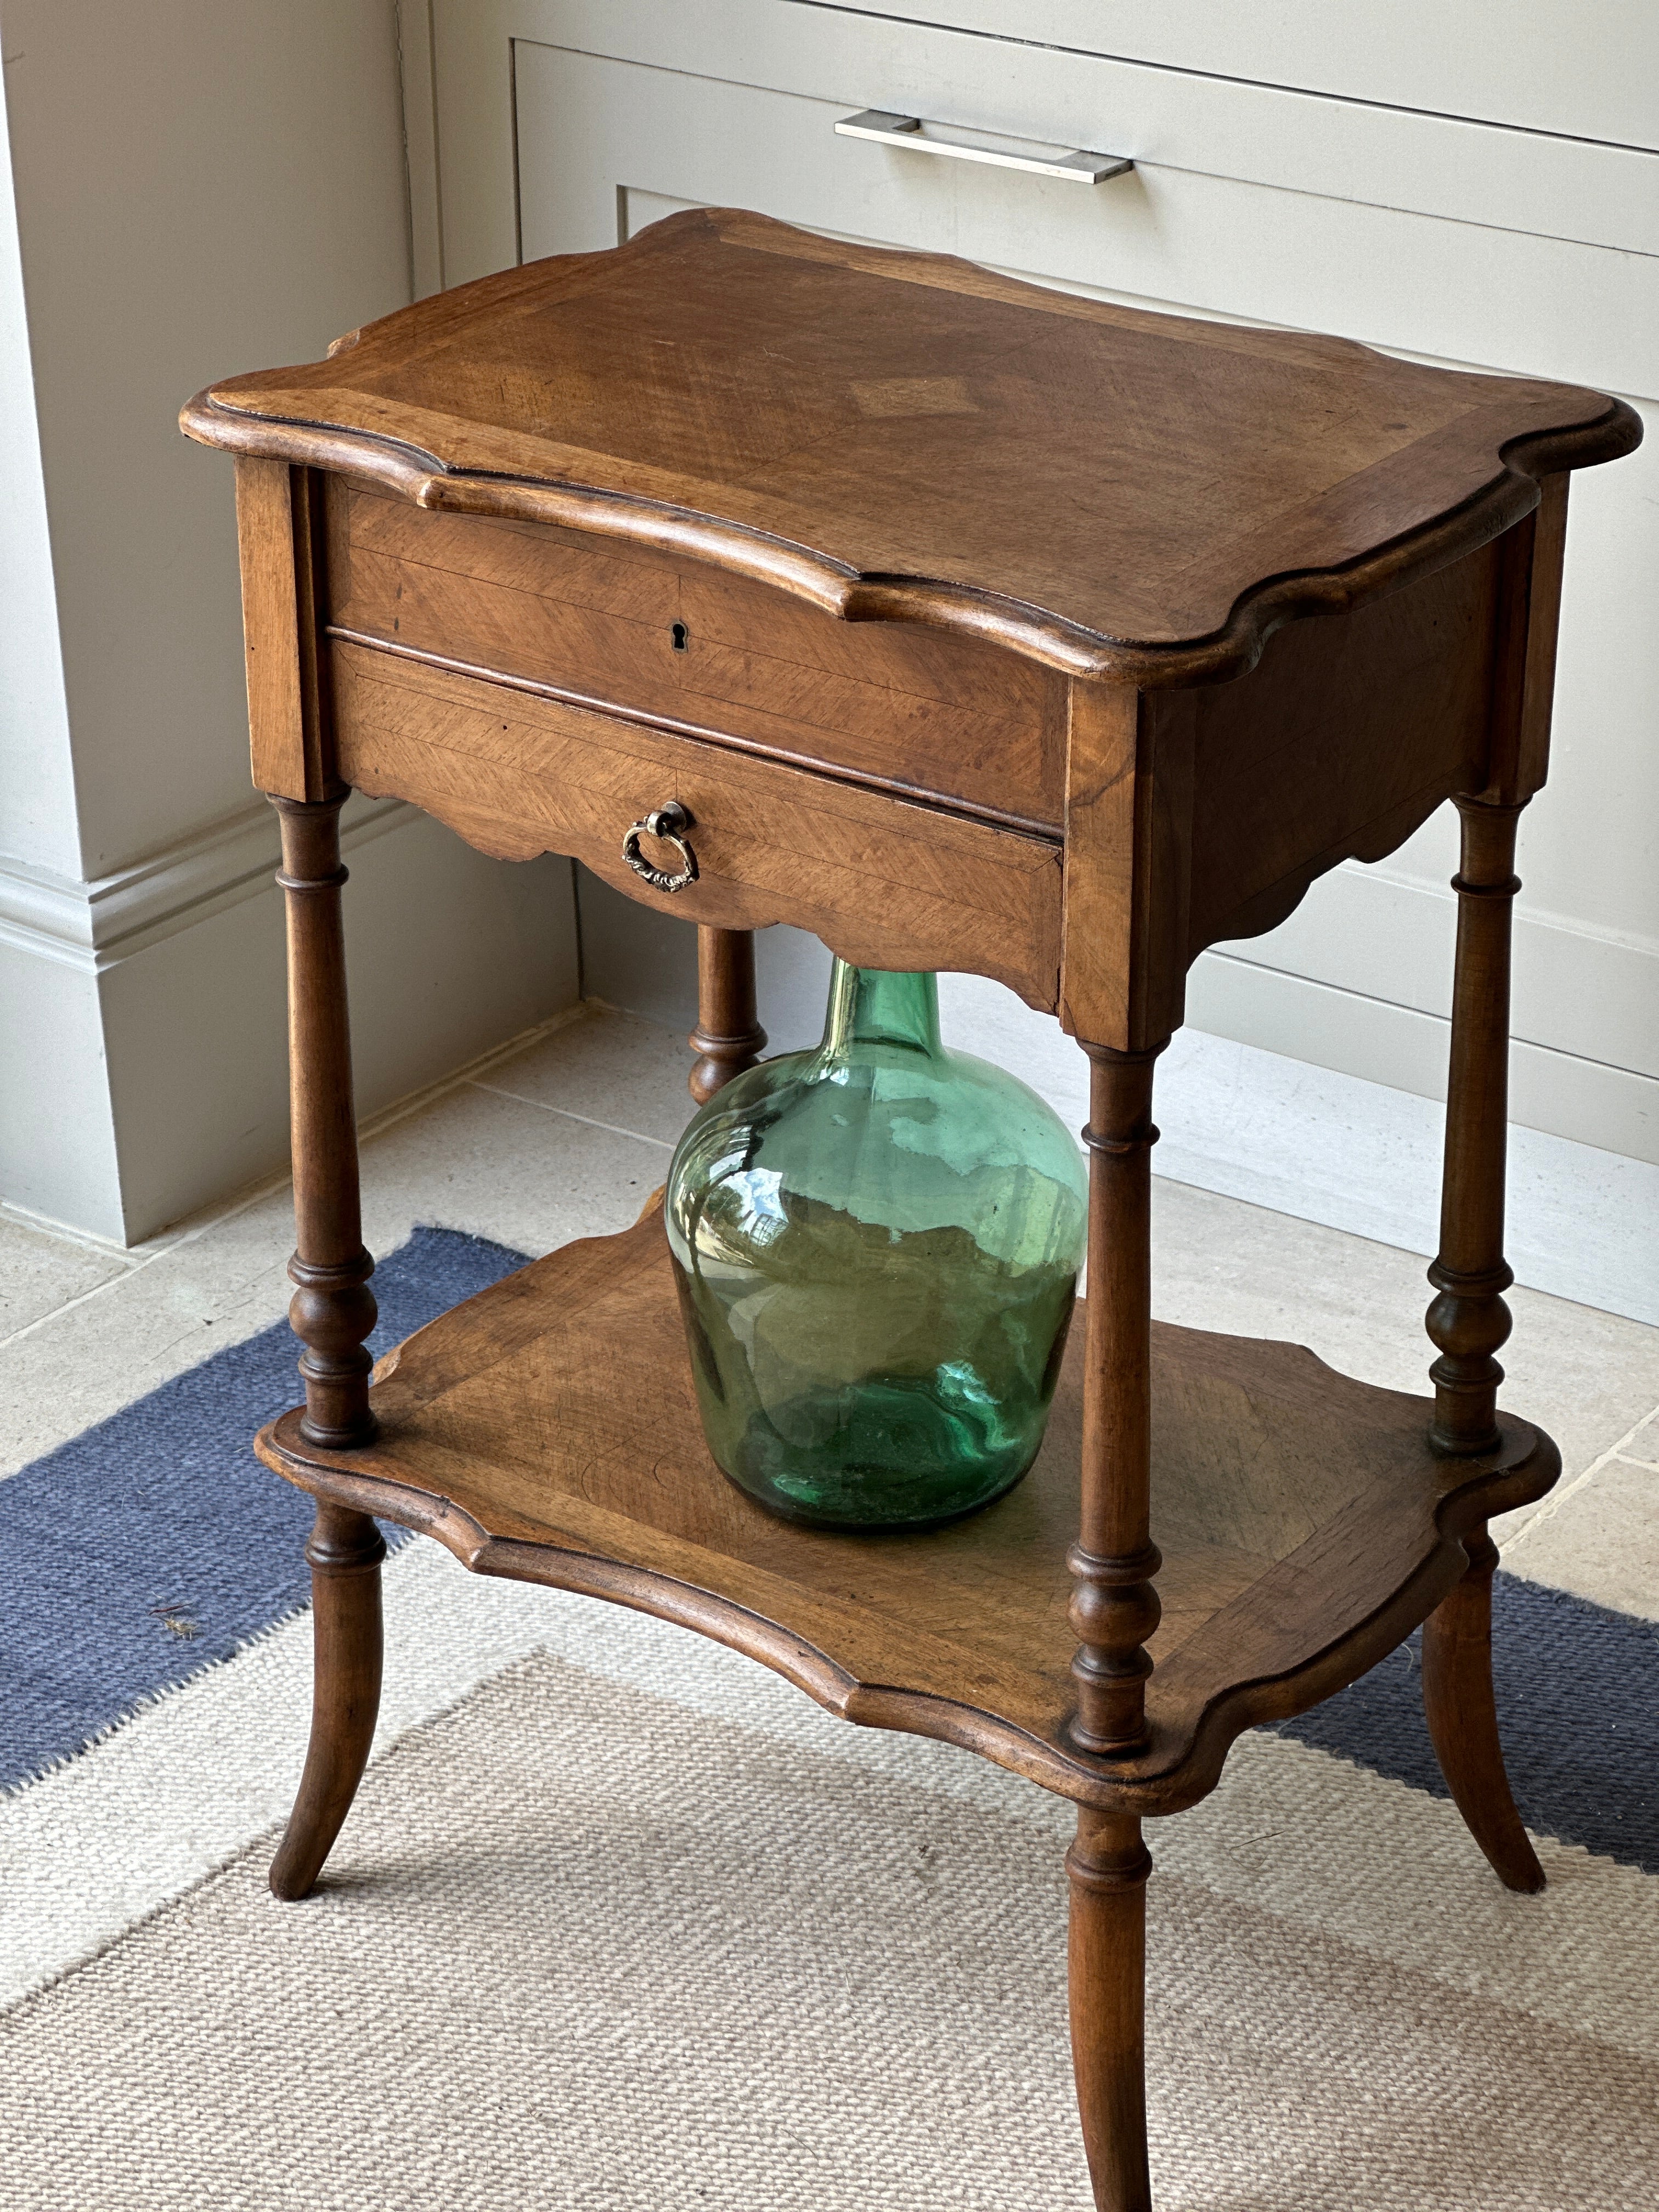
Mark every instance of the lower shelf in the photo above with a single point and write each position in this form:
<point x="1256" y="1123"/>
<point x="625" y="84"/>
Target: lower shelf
<point x="547" y="1430"/>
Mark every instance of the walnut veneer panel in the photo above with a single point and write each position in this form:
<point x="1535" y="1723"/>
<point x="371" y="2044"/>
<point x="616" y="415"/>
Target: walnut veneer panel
<point x="947" y="717"/>
<point x="881" y="880"/>
<point x="905" y="436"/>
<point x="547" y="1429"/>
<point x="1342" y="740"/>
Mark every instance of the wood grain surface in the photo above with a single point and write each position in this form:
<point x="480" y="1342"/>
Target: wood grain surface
<point x="278" y="525"/>
<point x="885" y="882"/>
<point x="1107" y="1867"/>
<point x="945" y="718"/>
<point x="1462" y="1712"/>
<point x="332" y="1310"/>
<point x="344" y="1554"/>
<point x="728" y="1037"/>
<point x="905" y="437"/>
<point x="547" y="1430"/>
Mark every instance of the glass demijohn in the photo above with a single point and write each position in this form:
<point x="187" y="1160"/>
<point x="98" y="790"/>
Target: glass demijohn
<point x="877" y="1246"/>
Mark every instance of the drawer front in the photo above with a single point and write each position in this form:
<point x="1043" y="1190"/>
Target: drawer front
<point x="1587" y="71"/>
<point x="896" y="707"/>
<point x="1382" y="134"/>
<point x="883" y="881"/>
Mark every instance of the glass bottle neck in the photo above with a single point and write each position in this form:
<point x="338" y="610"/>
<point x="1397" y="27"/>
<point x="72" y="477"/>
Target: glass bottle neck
<point x="875" y="1005"/>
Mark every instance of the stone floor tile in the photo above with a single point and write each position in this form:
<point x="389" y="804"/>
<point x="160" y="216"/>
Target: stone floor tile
<point x="1586" y="1376"/>
<point x="1290" y="1136"/>
<point x="40" y="1271"/>
<point x="473" y="1161"/>
<point x="496" y="1167"/>
<point x="609" y="1067"/>
<point x="1602" y="1543"/>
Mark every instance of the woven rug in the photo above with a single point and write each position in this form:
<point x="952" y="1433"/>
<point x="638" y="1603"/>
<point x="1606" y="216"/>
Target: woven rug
<point x="155" y="1544"/>
<point x="620" y="1920"/>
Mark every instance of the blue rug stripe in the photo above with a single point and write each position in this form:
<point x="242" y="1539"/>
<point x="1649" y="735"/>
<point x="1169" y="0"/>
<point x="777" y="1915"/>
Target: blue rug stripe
<point x="161" y="1513"/>
<point x="1578" y="1708"/>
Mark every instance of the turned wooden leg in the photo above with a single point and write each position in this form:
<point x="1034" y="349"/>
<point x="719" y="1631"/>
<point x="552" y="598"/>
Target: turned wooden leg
<point x="1469" y="1322"/>
<point x="332" y="1313"/>
<point x="1469" y="1319"/>
<point x="333" y="1309"/>
<point x="1114" y="1610"/>
<point x="728" y="1037"/>
<point x="1462" y="1715"/>
<point x="345" y="1552"/>
<point x="1109" y="1865"/>
<point x="1115" y="1607"/>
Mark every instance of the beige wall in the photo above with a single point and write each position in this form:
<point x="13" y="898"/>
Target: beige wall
<point x="200" y="188"/>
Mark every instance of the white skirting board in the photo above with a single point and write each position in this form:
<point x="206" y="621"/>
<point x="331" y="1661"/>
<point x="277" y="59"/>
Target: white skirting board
<point x="154" y="1078"/>
<point x="1319" y="1143"/>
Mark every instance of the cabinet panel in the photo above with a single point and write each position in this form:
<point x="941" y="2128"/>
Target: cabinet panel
<point x="1253" y="126"/>
<point x="1457" y="292"/>
<point x="1590" y="69"/>
<point x="1162" y="118"/>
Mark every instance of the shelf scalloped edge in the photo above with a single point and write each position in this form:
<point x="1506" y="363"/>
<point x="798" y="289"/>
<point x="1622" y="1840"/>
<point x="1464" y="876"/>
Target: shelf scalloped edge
<point x="1180" y="1767"/>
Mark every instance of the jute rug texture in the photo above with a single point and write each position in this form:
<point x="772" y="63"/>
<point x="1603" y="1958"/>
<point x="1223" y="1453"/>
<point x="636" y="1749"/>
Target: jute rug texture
<point x="581" y="1946"/>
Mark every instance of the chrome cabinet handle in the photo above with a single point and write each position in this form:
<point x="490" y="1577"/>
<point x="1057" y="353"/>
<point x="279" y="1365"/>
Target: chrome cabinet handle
<point x="910" y="131"/>
<point x="669" y="823"/>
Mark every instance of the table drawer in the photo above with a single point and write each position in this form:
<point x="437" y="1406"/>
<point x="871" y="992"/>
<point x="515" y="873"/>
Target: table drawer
<point x="883" y="881"/>
<point x="894" y="707"/>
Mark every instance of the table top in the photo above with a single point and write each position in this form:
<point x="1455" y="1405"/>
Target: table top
<point x="909" y="437"/>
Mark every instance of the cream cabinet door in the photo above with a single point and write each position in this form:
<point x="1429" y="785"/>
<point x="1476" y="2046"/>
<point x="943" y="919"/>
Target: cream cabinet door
<point x="559" y="125"/>
<point x="1582" y="69"/>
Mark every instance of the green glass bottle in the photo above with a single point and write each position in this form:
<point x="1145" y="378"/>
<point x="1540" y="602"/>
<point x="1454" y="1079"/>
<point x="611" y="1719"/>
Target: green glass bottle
<point x="878" y="1246"/>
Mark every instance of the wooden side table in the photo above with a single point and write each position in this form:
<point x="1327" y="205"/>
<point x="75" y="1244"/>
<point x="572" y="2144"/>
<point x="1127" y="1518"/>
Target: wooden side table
<point x="970" y="626"/>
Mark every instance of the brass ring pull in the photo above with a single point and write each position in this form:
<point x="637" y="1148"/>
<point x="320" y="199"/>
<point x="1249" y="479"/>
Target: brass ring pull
<point x="669" y="823"/>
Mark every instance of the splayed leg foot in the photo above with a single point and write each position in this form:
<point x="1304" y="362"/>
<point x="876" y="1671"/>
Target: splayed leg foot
<point x="1462" y="1715"/>
<point x="345" y="1551"/>
<point x="1109" y="1865"/>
